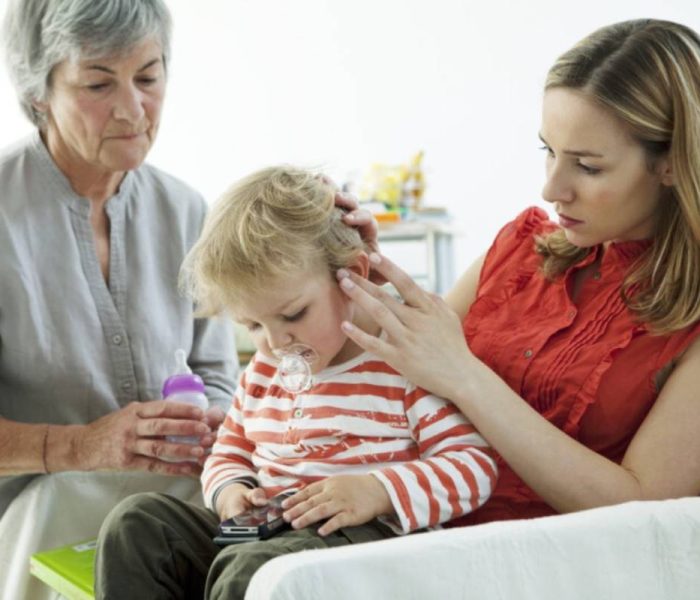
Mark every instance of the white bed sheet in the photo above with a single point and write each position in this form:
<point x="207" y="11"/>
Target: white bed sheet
<point x="638" y="550"/>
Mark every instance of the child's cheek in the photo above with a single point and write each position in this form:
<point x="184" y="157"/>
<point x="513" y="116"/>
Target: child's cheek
<point x="260" y="343"/>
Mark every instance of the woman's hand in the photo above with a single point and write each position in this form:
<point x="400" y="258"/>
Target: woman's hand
<point x="365" y="223"/>
<point x="237" y="498"/>
<point x="133" y="438"/>
<point x="422" y="336"/>
<point x="344" y="500"/>
<point x="360" y="218"/>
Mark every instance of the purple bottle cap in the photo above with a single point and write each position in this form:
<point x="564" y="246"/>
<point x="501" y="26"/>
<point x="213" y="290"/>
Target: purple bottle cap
<point x="183" y="382"/>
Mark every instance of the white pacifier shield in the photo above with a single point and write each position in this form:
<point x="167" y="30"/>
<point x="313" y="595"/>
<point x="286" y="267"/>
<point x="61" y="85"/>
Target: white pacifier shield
<point x="295" y="367"/>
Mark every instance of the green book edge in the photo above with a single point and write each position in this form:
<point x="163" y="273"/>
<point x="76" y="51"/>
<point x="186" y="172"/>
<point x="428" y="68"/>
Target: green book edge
<point x="68" y="569"/>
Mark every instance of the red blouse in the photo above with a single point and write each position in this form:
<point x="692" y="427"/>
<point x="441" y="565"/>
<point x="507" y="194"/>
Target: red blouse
<point x="588" y="367"/>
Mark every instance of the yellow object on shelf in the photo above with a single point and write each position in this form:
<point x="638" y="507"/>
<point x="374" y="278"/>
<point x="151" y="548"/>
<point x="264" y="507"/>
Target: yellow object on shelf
<point x="387" y="217"/>
<point x="395" y="186"/>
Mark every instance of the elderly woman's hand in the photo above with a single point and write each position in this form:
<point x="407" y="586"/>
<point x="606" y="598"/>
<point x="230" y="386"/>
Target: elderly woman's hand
<point x="133" y="438"/>
<point x="422" y="336"/>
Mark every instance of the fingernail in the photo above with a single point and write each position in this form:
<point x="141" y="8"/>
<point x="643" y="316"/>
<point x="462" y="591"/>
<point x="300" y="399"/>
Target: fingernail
<point x="347" y="283"/>
<point x="349" y="217"/>
<point x="346" y="326"/>
<point x="342" y="273"/>
<point x="375" y="258"/>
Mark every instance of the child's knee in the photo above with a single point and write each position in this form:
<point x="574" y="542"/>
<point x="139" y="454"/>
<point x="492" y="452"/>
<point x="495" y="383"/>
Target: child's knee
<point x="134" y="513"/>
<point x="234" y="567"/>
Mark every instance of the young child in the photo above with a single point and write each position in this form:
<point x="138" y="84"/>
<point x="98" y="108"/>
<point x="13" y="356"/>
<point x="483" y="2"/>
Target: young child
<point x="375" y="445"/>
<point x="370" y="454"/>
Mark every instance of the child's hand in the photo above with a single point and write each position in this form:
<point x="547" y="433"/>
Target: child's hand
<point x="237" y="498"/>
<point x="213" y="417"/>
<point x="344" y="500"/>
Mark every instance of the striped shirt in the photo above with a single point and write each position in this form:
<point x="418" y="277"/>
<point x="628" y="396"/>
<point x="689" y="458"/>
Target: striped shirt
<point x="360" y="417"/>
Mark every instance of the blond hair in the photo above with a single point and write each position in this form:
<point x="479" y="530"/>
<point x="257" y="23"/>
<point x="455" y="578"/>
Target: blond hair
<point x="276" y="222"/>
<point x="647" y="74"/>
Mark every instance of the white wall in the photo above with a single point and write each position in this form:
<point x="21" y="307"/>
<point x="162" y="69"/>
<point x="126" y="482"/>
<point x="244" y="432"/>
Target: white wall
<point x="343" y="83"/>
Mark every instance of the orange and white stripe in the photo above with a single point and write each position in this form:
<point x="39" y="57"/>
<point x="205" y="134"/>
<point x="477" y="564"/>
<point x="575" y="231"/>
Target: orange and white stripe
<point x="360" y="417"/>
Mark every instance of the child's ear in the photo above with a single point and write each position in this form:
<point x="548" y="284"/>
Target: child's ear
<point x="360" y="265"/>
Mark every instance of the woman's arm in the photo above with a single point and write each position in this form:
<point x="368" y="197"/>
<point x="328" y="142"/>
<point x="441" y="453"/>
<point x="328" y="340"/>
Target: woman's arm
<point x="22" y="447"/>
<point x="463" y="294"/>
<point x="425" y="343"/>
<point x="663" y="460"/>
<point x="127" y="439"/>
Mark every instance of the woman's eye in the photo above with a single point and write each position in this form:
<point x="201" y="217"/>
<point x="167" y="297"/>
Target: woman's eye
<point x="547" y="149"/>
<point x="96" y="87"/>
<point x="296" y="316"/>
<point x="147" y="80"/>
<point x="253" y="326"/>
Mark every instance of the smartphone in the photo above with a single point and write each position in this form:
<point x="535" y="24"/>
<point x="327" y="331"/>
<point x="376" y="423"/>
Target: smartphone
<point x="259" y="523"/>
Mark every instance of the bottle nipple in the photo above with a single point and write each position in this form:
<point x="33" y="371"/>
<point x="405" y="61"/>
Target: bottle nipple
<point x="182" y="379"/>
<point x="295" y="367"/>
<point x="181" y="366"/>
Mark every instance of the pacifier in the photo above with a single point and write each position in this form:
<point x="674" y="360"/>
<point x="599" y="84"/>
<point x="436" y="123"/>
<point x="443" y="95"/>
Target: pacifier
<point x="295" y="367"/>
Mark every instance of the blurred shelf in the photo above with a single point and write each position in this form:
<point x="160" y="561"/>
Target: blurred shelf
<point x="422" y="248"/>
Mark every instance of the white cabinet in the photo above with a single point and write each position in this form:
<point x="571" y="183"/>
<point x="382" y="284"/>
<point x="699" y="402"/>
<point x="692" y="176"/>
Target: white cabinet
<point x="424" y="249"/>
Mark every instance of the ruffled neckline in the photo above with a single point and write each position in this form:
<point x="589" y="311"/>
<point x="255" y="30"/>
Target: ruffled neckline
<point x="626" y="252"/>
<point x="617" y="255"/>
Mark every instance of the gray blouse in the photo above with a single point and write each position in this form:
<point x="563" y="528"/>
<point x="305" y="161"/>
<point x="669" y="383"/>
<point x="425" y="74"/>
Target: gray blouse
<point x="73" y="347"/>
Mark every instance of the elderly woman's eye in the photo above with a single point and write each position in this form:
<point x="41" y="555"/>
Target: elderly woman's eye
<point x="96" y="87"/>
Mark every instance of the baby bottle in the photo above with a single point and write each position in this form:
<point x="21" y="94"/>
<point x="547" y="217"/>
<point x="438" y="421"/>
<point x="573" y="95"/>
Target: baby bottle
<point x="187" y="387"/>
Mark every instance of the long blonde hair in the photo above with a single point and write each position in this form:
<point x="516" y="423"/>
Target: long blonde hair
<point x="647" y="74"/>
<point x="276" y="222"/>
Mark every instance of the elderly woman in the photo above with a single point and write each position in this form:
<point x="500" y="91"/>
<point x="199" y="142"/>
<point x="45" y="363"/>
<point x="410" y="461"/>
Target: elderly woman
<point x="91" y="241"/>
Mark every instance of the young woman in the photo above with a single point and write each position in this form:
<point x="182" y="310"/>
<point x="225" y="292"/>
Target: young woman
<point x="573" y="347"/>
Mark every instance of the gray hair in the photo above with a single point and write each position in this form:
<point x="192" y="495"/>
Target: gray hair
<point x="39" y="34"/>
